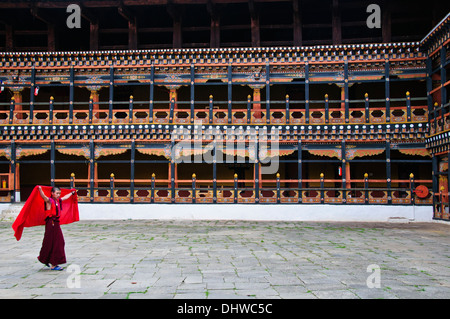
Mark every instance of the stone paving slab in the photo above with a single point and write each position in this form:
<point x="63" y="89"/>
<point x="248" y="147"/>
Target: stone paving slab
<point x="231" y="260"/>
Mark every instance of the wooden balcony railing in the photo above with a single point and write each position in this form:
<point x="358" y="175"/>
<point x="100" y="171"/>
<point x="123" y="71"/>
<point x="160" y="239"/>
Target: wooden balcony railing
<point x="182" y="112"/>
<point x="313" y="191"/>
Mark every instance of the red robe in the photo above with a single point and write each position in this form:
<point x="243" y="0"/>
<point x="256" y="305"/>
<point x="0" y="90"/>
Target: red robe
<point x="33" y="212"/>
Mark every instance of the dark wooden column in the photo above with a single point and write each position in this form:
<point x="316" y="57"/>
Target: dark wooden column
<point x="214" y="12"/>
<point x="9" y="38"/>
<point x="336" y="23"/>
<point x="93" y="27"/>
<point x="297" y="19"/>
<point x="132" y="26"/>
<point x="176" y="14"/>
<point x="49" y="21"/>
<point x="386" y="22"/>
<point x="254" y="17"/>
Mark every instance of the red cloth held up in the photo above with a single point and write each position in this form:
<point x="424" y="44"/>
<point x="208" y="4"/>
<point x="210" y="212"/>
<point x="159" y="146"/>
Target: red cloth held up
<point x="33" y="213"/>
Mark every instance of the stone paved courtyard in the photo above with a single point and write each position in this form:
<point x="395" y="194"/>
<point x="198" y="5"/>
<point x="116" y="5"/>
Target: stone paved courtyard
<point x="231" y="259"/>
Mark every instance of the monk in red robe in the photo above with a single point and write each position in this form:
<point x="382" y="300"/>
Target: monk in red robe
<point x="52" y="252"/>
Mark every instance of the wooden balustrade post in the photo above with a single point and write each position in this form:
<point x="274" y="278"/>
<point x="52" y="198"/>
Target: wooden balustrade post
<point x="249" y="108"/>
<point x="71" y="94"/>
<point x="278" y="188"/>
<point x="192" y="92"/>
<point x="287" y="109"/>
<point x="366" y="188"/>
<point x="12" y="106"/>
<point x="130" y="110"/>
<point x="32" y="90"/>
<point x="322" y="193"/>
<point x="91" y="108"/>
<point x="327" y="113"/>
<point x="411" y="188"/>
<point x="408" y="107"/>
<point x="152" y="191"/>
<point x="193" y="187"/>
<point x="367" y="112"/>
<point x="111" y="94"/>
<point x="111" y="188"/>
<point x="72" y="180"/>
<point x="172" y="106"/>
<point x="50" y="107"/>
<point x="210" y="109"/>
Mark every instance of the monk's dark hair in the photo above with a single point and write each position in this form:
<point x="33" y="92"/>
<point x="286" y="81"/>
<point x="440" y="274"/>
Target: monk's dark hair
<point x="55" y="189"/>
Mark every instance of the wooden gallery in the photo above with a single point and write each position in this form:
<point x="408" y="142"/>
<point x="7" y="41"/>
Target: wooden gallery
<point x="262" y="117"/>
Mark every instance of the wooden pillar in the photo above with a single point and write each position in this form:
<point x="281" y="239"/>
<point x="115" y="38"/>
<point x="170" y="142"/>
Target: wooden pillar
<point x="443" y="80"/>
<point x="17" y="95"/>
<point x="299" y="167"/>
<point x="192" y="92"/>
<point x="342" y="98"/>
<point x="152" y="93"/>
<point x="306" y="93"/>
<point x="132" y="26"/>
<point x="32" y="87"/>
<point x="93" y="36"/>
<point x="71" y="94"/>
<point x="14" y="168"/>
<point x="429" y="81"/>
<point x="175" y="13"/>
<point x="387" y="91"/>
<point x="173" y="94"/>
<point x="297" y="19"/>
<point x="9" y="38"/>
<point x="267" y="93"/>
<point x="254" y="23"/>
<point x="214" y="13"/>
<point x="388" y="170"/>
<point x="256" y="98"/>
<point x="111" y="93"/>
<point x="386" y="22"/>
<point x="92" y="174"/>
<point x="95" y="100"/>
<point x="336" y="23"/>
<point x="347" y="174"/>
<point x="95" y="174"/>
<point x="52" y="163"/>
<point x="51" y="38"/>
<point x="345" y="177"/>
<point x="132" y="34"/>
<point x="435" y="185"/>
<point x="132" y="157"/>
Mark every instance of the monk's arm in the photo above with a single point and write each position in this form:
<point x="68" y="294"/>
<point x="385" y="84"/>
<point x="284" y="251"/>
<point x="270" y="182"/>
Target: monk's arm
<point x="45" y="198"/>
<point x="68" y="196"/>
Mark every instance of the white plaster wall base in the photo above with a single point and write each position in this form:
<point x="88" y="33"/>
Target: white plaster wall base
<point x="362" y="213"/>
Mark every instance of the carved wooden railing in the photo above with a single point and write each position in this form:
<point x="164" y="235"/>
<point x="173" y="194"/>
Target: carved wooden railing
<point x="210" y="112"/>
<point x="313" y="191"/>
